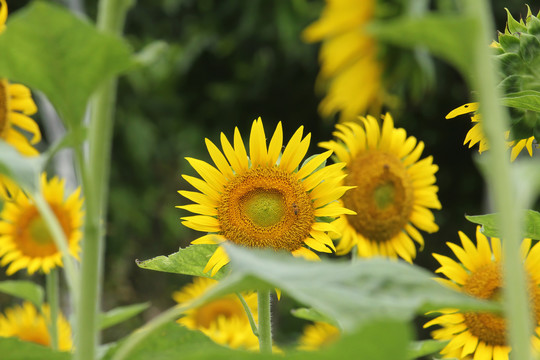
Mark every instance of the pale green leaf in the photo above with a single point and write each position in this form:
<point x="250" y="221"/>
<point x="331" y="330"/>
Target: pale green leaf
<point x="120" y="314"/>
<point x="23" y="289"/>
<point x="353" y="293"/>
<point x="187" y="261"/>
<point x="24" y="170"/>
<point x="448" y="37"/>
<point x="526" y="100"/>
<point x="491" y="228"/>
<point x="50" y="49"/>
<point x="172" y="341"/>
<point x="15" y="349"/>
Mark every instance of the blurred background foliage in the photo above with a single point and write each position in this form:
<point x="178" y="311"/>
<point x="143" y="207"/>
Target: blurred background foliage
<point x="217" y="64"/>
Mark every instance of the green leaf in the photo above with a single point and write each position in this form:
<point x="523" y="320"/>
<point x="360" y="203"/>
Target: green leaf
<point x="15" y="349"/>
<point x="121" y="314"/>
<point x="50" y="49"/>
<point x="312" y="315"/>
<point x="24" y="170"/>
<point x="26" y="290"/>
<point x="354" y="293"/>
<point x="527" y="100"/>
<point x="187" y="261"/>
<point x="490" y="227"/>
<point x="172" y="341"/>
<point x="425" y="347"/>
<point x="448" y="37"/>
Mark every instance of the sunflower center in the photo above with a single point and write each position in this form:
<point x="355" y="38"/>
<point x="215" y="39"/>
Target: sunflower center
<point x="3" y="105"/>
<point x="209" y="313"/>
<point x="266" y="207"/>
<point x="39" y="231"/>
<point x="486" y="283"/>
<point x="383" y="197"/>
<point x="32" y="235"/>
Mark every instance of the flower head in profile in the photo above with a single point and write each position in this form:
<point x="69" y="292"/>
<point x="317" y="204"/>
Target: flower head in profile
<point x="266" y="200"/>
<point x="478" y="273"/>
<point x="394" y="190"/>
<point x="25" y="241"/>
<point x="476" y="134"/>
<point x="28" y="324"/>
<point x="318" y="335"/>
<point x="223" y="320"/>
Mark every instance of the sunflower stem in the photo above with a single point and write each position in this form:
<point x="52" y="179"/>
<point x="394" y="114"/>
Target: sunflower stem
<point x="501" y="184"/>
<point x="51" y="282"/>
<point x="265" y="321"/>
<point x="95" y="174"/>
<point x="249" y="314"/>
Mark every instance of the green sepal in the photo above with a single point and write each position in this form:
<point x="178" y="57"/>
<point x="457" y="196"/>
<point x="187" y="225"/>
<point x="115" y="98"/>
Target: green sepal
<point x="526" y="100"/>
<point x="510" y="63"/>
<point x="509" y="43"/>
<point x="513" y="25"/>
<point x="529" y="48"/>
<point x="533" y="26"/>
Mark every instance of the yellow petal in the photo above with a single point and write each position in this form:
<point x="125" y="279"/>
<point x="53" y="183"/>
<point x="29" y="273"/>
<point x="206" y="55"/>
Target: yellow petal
<point x="274" y="149"/>
<point x="464" y="109"/>
<point x="219" y="159"/>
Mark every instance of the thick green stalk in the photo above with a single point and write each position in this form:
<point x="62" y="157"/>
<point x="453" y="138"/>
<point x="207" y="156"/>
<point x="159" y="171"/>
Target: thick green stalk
<point x="52" y="300"/>
<point x="265" y="321"/>
<point x="95" y="174"/>
<point x="501" y="185"/>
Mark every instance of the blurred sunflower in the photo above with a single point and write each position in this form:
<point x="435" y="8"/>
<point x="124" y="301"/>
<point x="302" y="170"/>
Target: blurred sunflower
<point x="476" y="134"/>
<point x="348" y="57"/>
<point x="264" y="200"/>
<point x="482" y="335"/>
<point x="318" y="335"/>
<point x="394" y="190"/>
<point x="223" y="320"/>
<point x="15" y="105"/>
<point x="25" y="241"/>
<point x="360" y="71"/>
<point x="26" y="323"/>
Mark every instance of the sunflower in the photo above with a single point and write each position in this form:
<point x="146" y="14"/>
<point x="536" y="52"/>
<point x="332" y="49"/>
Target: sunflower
<point x="394" y="191"/>
<point x="482" y="335"/>
<point x="264" y="200"/>
<point x="223" y="320"/>
<point x="348" y="57"/>
<point x="318" y="335"/>
<point x="476" y="134"/>
<point x="25" y="241"/>
<point x="26" y="323"/>
<point x="15" y="105"/>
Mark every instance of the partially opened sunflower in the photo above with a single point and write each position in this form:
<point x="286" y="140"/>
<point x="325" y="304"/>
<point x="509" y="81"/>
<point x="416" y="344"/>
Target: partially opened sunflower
<point x="266" y="199"/>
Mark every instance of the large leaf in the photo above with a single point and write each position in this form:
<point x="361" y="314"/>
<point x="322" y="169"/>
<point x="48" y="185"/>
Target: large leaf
<point x="353" y="292"/>
<point x="26" y="290"/>
<point x="187" y="261"/>
<point x="425" y="347"/>
<point x="172" y="341"/>
<point x="15" y="349"/>
<point x="448" y="37"/>
<point x="526" y="100"/>
<point x="22" y="169"/>
<point x="52" y="50"/>
<point x="491" y="228"/>
<point x="120" y="314"/>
